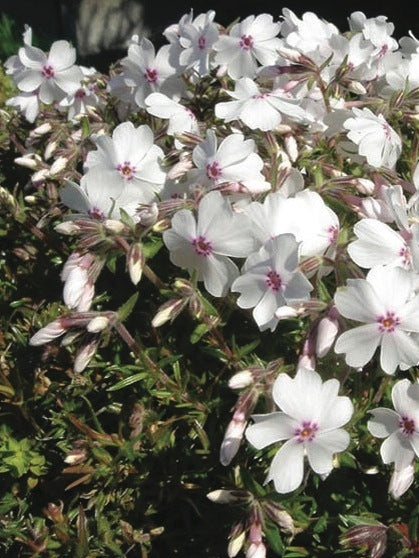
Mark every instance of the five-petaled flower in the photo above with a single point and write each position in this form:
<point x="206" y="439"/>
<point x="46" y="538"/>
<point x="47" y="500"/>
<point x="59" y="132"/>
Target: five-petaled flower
<point x="310" y="420"/>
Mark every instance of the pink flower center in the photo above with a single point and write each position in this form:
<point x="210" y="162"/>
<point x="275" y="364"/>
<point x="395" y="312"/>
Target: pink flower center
<point x="273" y="280"/>
<point x="96" y="213"/>
<point x="214" y="170"/>
<point x="407" y="426"/>
<point x="126" y="170"/>
<point x="151" y="75"/>
<point x="333" y="232"/>
<point x="383" y="50"/>
<point x="246" y="42"/>
<point x="80" y="93"/>
<point x="202" y="42"/>
<point x="48" y="71"/>
<point x="202" y="246"/>
<point x="406" y="256"/>
<point x="260" y="96"/>
<point x="307" y="431"/>
<point x="387" y="131"/>
<point x="388" y="323"/>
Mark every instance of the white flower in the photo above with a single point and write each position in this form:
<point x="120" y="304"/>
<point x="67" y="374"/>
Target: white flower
<point x="401" y="480"/>
<point x="387" y="304"/>
<point x="205" y="244"/>
<point x="197" y="38"/>
<point x="129" y="158"/>
<point x="400" y="427"/>
<point x="375" y="138"/>
<point x="50" y="75"/>
<point x="146" y="71"/>
<point x="270" y="279"/>
<point x="310" y="420"/>
<point x="259" y="109"/>
<point x="304" y="215"/>
<point x="250" y="41"/>
<point x="235" y="161"/>
<point x="181" y="118"/>
<point x="379" y="244"/>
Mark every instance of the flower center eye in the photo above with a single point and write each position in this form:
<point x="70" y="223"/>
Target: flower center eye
<point x="202" y="42"/>
<point x="406" y="256"/>
<point x="213" y="170"/>
<point x="388" y="323"/>
<point x="273" y="280"/>
<point x="307" y="432"/>
<point x="387" y="131"/>
<point x="333" y="234"/>
<point x="126" y="170"/>
<point x="202" y="246"/>
<point x="96" y="213"/>
<point x="246" y="42"/>
<point x="80" y="93"/>
<point x="151" y="75"/>
<point x="407" y="426"/>
<point x="48" y="71"/>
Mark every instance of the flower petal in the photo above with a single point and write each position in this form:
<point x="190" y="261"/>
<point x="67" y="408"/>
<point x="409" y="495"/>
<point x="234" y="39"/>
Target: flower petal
<point x="287" y="467"/>
<point x="384" y="422"/>
<point x="269" y="429"/>
<point x="321" y="450"/>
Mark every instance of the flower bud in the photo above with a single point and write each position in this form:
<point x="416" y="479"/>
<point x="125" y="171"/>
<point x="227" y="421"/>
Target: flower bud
<point x="57" y="166"/>
<point x="113" y="226"/>
<point x="232" y="438"/>
<point x="41" y="130"/>
<point x="327" y="330"/>
<point x="99" y="323"/>
<point x="86" y="353"/>
<point x="237" y="538"/>
<point x="148" y="217"/>
<point x="75" y="457"/>
<point x="401" y="481"/>
<point x="241" y="380"/>
<point x="136" y="261"/>
<point x="168" y="311"/>
<point x="49" y="150"/>
<point x="28" y="161"/>
<point x="67" y="227"/>
<point x="47" y="333"/>
<point x="227" y="496"/>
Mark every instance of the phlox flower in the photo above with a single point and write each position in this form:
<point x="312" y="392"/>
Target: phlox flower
<point x="388" y="306"/>
<point x="375" y="138"/>
<point x="50" y="75"/>
<point x="270" y="279"/>
<point x="145" y="71"/>
<point x="181" y="118"/>
<point x="234" y="161"/>
<point x="204" y="244"/>
<point x="259" y="109"/>
<point x="400" y="427"/>
<point x="305" y="215"/>
<point x="378" y="244"/>
<point x="98" y="201"/>
<point x="310" y="419"/>
<point x="250" y="41"/>
<point x="197" y="38"/>
<point x="128" y="158"/>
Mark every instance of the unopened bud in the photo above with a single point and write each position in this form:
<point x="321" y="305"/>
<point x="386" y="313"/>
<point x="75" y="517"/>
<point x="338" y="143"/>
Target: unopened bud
<point x="135" y="261"/>
<point x="75" y="457"/>
<point x="280" y="516"/>
<point x="86" y="353"/>
<point x="113" y="226"/>
<point x="222" y="496"/>
<point x="40" y="176"/>
<point x="99" y="323"/>
<point x="327" y="330"/>
<point x="57" y="166"/>
<point x="356" y="87"/>
<point x="291" y="147"/>
<point x="232" y="438"/>
<point x="401" y="481"/>
<point x="148" y="217"/>
<point x="47" y="333"/>
<point x="41" y="130"/>
<point x="168" y="311"/>
<point x="28" y="161"/>
<point x="241" y="380"/>
<point x="49" y="150"/>
<point x="236" y="542"/>
<point x="67" y="227"/>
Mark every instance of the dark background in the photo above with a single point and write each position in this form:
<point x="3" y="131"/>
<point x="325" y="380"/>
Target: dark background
<point x="56" y="19"/>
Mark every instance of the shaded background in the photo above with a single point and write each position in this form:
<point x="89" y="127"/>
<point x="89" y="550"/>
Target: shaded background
<point x="100" y="28"/>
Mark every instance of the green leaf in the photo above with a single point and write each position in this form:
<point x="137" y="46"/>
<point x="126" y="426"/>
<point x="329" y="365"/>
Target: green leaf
<point x="125" y="310"/>
<point x="150" y="249"/>
<point x="198" y="333"/>
<point x="274" y="538"/>
<point x="128" y="381"/>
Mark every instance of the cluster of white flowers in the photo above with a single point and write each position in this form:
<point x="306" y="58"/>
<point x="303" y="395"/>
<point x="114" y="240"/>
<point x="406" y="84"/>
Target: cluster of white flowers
<point x="283" y="167"/>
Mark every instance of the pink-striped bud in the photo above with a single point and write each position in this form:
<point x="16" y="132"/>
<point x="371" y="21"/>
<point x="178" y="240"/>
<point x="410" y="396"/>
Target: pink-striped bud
<point x="47" y="333"/>
<point x="232" y="438"/>
<point x="86" y="353"/>
<point x="135" y="262"/>
<point x="236" y="540"/>
<point x="241" y="380"/>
